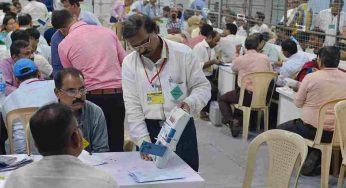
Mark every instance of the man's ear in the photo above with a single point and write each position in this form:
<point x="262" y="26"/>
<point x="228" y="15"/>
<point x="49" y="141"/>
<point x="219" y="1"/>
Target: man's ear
<point x="76" y="140"/>
<point x="56" y="91"/>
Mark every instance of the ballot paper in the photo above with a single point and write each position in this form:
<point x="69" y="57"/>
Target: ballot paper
<point x="21" y="160"/>
<point x="90" y="159"/>
<point x="143" y="176"/>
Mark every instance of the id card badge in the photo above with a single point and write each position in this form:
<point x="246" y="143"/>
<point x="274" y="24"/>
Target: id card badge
<point x="331" y="26"/>
<point x="155" y="97"/>
<point x="210" y="69"/>
<point x="85" y="143"/>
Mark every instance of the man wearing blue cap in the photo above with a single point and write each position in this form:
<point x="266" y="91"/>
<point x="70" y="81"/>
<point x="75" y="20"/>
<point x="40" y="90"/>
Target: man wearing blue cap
<point x="32" y="92"/>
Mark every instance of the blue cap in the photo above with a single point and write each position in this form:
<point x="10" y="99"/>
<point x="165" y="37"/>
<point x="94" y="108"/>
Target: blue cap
<point x="24" y="67"/>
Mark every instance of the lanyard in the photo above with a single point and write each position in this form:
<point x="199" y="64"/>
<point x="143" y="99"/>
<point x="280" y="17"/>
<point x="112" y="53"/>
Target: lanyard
<point x="157" y="71"/>
<point x="32" y="81"/>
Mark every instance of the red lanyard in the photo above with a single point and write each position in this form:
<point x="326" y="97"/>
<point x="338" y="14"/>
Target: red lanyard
<point x="32" y="81"/>
<point x="157" y="71"/>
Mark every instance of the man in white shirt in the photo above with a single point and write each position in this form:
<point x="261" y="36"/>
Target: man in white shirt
<point x="37" y="47"/>
<point x="139" y="7"/>
<point x="228" y="43"/>
<point x="32" y="92"/>
<point x="259" y="27"/>
<point x="293" y="64"/>
<point x="204" y="53"/>
<point x="327" y="21"/>
<point x="268" y="49"/>
<point x="241" y="22"/>
<point x="158" y="76"/>
<point x="37" y="10"/>
<point x="59" y="139"/>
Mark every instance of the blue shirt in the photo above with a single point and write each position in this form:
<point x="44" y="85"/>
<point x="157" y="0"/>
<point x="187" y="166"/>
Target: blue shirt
<point x="55" y="41"/>
<point x="152" y="11"/>
<point x="200" y="4"/>
<point x="87" y="17"/>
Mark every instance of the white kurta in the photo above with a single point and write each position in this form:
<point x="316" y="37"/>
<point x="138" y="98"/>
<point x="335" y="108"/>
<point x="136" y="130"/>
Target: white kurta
<point x="59" y="171"/>
<point x="181" y="69"/>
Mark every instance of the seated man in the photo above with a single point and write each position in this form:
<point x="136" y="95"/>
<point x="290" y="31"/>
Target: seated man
<point x="31" y="92"/>
<point x="19" y="49"/>
<point x="315" y="41"/>
<point x="39" y="48"/>
<point x="228" y="43"/>
<point x="174" y="25"/>
<point x="293" y="64"/>
<point x="70" y="90"/>
<point x="205" y="54"/>
<point x="58" y="138"/>
<point x="43" y="65"/>
<point x="316" y="89"/>
<point x="259" y="26"/>
<point x="252" y="61"/>
<point x="268" y="49"/>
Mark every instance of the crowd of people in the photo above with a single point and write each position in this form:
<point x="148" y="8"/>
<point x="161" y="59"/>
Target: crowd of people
<point x="85" y="80"/>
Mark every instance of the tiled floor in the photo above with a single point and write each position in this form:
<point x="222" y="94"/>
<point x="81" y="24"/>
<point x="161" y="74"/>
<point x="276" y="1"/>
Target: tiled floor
<point x="223" y="160"/>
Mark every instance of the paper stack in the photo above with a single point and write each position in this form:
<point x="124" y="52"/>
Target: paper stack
<point x="8" y="163"/>
<point x="143" y="176"/>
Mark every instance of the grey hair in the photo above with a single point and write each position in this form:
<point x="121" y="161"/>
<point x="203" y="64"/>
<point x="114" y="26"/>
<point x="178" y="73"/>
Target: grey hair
<point x="134" y="23"/>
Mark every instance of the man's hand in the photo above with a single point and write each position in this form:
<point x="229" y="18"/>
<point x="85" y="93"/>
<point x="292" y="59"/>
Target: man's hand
<point x="217" y="62"/>
<point x="145" y="157"/>
<point x="184" y="106"/>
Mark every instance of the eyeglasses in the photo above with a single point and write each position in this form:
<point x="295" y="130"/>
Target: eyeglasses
<point x="74" y="92"/>
<point x="144" y="45"/>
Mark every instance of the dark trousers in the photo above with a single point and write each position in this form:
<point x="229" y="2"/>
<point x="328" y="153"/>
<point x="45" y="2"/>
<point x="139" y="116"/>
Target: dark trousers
<point x="113" y="108"/>
<point x="187" y="148"/>
<point x="214" y="92"/>
<point x="305" y="130"/>
<point x="229" y="98"/>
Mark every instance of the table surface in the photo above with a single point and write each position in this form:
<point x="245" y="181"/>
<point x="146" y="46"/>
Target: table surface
<point x="287" y="92"/>
<point x="227" y="68"/>
<point x="119" y="164"/>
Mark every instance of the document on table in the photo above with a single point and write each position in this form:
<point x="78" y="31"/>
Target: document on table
<point x="143" y="176"/>
<point x="91" y="160"/>
<point x="20" y="160"/>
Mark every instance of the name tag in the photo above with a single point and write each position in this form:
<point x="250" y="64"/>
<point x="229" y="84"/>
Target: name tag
<point x="210" y="69"/>
<point x="331" y="26"/>
<point x="155" y="98"/>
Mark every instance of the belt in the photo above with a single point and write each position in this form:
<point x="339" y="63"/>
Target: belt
<point x="106" y="91"/>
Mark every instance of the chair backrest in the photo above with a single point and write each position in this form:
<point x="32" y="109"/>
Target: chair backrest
<point x="117" y="28"/>
<point x="287" y="152"/>
<point x="340" y="116"/>
<point x="324" y="111"/>
<point x="261" y="82"/>
<point x="24" y="115"/>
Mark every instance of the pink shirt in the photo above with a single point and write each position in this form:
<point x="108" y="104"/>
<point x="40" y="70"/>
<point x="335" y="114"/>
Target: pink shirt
<point x="251" y="62"/>
<point x="6" y="66"/>
<point x="192" y="42"/>
<point x="96" y="52"/>
<point x="318" y="88"/>
<point x="118" y="10"/>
